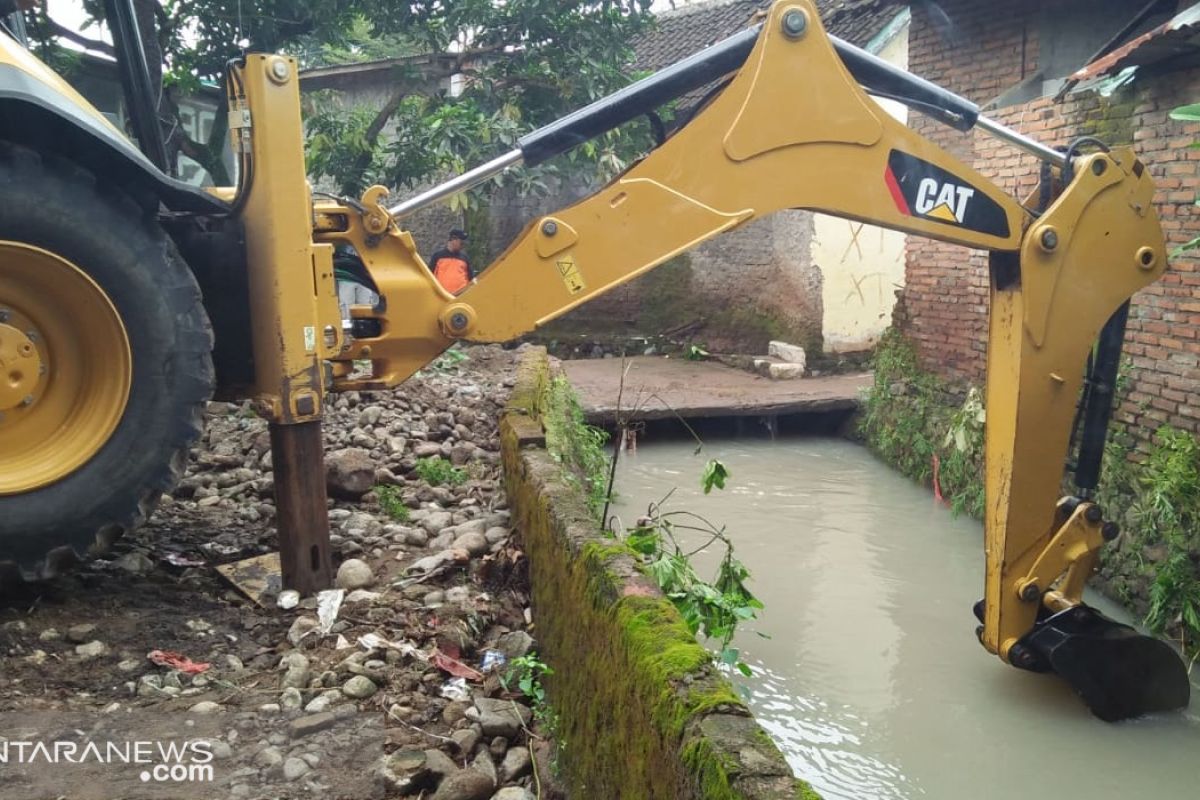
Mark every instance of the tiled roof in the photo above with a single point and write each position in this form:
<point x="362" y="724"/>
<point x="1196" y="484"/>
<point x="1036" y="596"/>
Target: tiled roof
<point x="683" y="31"/>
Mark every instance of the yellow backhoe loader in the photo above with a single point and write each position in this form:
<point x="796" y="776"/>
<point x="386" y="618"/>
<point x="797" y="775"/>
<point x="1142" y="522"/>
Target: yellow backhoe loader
<point x="127" y="298"/>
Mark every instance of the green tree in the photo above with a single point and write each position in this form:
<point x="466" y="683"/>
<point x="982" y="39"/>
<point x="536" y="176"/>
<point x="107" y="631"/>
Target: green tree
<point x="523" y="62"/>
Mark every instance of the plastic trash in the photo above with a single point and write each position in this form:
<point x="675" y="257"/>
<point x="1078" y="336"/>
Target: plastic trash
<point x="456" y="689"/>
<point x="329" y="603"/>
<point x="493" y="660"/>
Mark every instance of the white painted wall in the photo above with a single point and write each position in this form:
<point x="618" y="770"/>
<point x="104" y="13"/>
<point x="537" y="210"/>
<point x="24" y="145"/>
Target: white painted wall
<point x="861" y="265"/>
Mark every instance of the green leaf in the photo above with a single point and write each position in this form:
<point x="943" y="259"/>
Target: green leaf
<point x="715" y="474"/>
<point x="643" y="541"/>
<point x="1189" y="113"/>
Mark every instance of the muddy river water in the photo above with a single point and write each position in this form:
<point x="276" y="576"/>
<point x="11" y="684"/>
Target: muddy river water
<point x="872" y="681"/>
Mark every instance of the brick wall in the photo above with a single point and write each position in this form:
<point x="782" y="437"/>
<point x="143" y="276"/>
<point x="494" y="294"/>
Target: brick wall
<point x="944" y="308"/>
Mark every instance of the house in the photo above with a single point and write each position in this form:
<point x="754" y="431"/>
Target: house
<point x="1056" y="71"/>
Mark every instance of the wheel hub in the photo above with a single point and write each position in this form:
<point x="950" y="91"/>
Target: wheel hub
<point x="21" y="368"/>
<point x="65" y="368"/>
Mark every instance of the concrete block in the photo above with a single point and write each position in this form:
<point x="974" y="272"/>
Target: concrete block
<point x="787" y="352"/>
<point x="785" y="371"/>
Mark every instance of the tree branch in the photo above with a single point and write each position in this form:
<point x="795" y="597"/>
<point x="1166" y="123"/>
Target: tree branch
<point x="64" y="32"/>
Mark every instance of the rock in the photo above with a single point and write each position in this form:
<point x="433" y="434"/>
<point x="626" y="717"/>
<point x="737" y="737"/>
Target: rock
<point x="354" y="574"/>
<point x="497" y="534"/>
<point x="366" y="523"/>
<point x="37" y="657"/>
<point x="515" y="644"/>
<point x="77" y="634"/>
<point x="268" y="757"/>
<point x="461" y="453"/>
<point x="291" y="699"/>
<point x="458" y="595"/>
<point x="434" y="598"/>
<point x="501" y="717"/>
<point x="359" y="687"/>
<point x="455" y="711"/>
<point x="363" y="596"/>
<point x="306" y="726"/>
<point x="793" y="354"/>
<point x="51" y="634"/>
<point x="135" y="562"/>
<point x="349" y="473"/>
<point x="439" y="763"/>
<point x="301" y="627"/>
<point x="498" y="747"/>
<point x="295" y="768"/>
<point x="149" y="686"/>
<point x="466" y="784"/>
<point x="436" y="521"/>
<point x="430" y="563"/>
<point x="427" y="450"/>
<point x="514" y="793"/>
<point x="94" y="649"/>
<point x="465" y="739"/>
<point x="297" y="672"/>
<point x="324" y="700"/>
<point x="416" y="537"/>
<point x="484" y="764"/>
<point x="221" y="750"/>
<point x="404" y="771"/>
<point x="442" y="541"/>
<point x="517" y="762"/>
<point x="129" y="665"/>
<point x="396" y="445"/>
<point x="205" y="707"/>
<point x="474" y="543"/>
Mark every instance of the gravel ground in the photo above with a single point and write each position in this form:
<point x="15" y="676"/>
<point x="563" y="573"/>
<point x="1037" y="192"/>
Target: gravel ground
<point x="432" y="579"/>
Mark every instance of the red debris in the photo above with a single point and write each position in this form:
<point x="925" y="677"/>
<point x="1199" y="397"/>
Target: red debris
<point x="453" y="666"/>
<point x="168" y="658"/>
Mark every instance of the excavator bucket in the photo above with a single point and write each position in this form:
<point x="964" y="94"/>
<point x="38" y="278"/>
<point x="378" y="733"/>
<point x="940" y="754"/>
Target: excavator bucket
<point x="1119" y="673"/>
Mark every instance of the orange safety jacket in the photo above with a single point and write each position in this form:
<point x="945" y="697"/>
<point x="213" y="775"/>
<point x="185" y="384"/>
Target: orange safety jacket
<point x="452" y="270"/>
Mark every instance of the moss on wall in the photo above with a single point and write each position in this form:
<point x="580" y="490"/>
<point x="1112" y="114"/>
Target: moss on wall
<point x="643" y="713"/>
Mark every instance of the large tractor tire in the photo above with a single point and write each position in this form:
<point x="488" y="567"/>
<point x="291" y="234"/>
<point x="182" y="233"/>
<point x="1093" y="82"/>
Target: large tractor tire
<point x="105" y="362"/>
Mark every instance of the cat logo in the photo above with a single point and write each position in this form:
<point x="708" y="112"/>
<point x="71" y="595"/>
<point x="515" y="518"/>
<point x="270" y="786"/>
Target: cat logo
<point x="926" y="191"/>
<point x="946" y="202"/>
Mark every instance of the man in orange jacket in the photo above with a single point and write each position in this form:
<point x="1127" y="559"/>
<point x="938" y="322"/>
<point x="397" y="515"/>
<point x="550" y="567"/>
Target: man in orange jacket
<point x="450" y="265"/>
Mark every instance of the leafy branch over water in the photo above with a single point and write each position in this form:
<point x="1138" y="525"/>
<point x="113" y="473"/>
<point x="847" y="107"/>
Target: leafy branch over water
<point x="713" y="609"/>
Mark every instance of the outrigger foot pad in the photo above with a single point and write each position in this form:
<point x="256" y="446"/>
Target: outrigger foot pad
<point x="1117" y="671"/>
